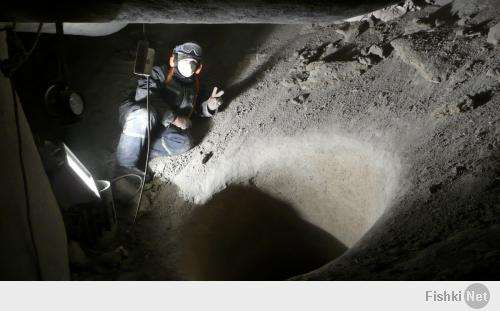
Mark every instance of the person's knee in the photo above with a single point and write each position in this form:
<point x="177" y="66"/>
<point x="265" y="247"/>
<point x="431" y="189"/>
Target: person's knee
<point x="128" y="151"/>
<point x="136" y="122"/>
<point x="177" y="142"/>
<point x="188" y="143"/>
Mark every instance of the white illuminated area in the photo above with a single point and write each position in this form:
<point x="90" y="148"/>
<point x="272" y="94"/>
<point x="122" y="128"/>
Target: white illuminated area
<point x="81" y="171"/>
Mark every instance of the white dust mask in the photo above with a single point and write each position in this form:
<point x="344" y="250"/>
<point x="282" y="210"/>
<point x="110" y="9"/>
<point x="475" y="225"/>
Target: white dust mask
<point x="187" y="67"/>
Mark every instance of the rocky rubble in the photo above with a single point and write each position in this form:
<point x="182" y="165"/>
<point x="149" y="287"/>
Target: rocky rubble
<point x="410" y="82"/>
<point x="390" y="13"/>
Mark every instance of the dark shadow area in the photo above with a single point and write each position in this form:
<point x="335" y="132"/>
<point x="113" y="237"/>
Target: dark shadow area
<point x="201" y="128"/>
<point x="444" y="14"/>
<point x="481" y="28"/>
<point x="243" y="85"/>
<point x="481" y="98"/>
<point x="344" y="54"/>
<point x="447" y="15"/>
<point x="312" y="55"/>
<point x="140" y="251"/>
<point x="33" y="78"/>
<point x="243" y="233"/>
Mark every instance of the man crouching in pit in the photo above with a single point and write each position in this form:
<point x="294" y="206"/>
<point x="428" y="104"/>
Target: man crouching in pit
<point x="173" y="94"/>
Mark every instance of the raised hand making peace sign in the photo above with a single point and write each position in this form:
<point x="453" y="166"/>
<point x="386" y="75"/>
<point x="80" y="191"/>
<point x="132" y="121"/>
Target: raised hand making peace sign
<point x="215" y="99"/>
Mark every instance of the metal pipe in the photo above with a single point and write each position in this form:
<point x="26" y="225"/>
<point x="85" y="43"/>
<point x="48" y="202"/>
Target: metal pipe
<point x="77" y="29"/>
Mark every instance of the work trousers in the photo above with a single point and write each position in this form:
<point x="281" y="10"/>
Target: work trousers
<point x="165" y="141"/>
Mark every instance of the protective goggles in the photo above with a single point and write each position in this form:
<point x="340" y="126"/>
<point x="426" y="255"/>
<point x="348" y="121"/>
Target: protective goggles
<point x="189" y="48"/>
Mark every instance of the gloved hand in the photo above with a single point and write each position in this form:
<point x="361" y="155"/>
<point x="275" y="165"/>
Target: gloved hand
<point x="215" y="99"/>
<point x="182" y="122"/>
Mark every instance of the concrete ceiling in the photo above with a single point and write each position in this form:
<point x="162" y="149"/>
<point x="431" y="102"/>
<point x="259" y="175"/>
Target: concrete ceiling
<point x="194" y="11"/>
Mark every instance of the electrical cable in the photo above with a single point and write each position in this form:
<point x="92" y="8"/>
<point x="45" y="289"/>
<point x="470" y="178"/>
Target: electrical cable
<point x="128" y="175"/>
<point x="28" y="54"/>
<point x="148" y="139"/>
<point x="147" y="153"/>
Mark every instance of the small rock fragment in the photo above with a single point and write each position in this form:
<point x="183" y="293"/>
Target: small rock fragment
<point x="330" y="49"/>
<point x="395" y="11"/>
<point x="459" y="32"/>
<point x="363" y="52"/>
<point x="473" y="34"/>
<point x="465" y="104"/>
<point x="439" y="2"/>
<point x="379" y="51"/>
<point x="309" y="54"/>
<point x="494" y="73"/>
<point x="439" y="22"/>
<point x="207" y="157"/>
<point x="462" y="22"/>
<point x="458" y="170"/>
<point x="351" y="30"/>
<point x="474" y="101"/>
<point x="288" y="82"/>
<point x="372" y="21"/>
<point x="494" y="35"/>
<point x="376" y="50"/>
<point x="367" y="60"/>
<point x="301" y="98"/>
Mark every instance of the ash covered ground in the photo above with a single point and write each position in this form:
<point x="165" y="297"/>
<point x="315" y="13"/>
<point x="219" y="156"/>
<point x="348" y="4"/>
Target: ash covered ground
<point x="363" y="150"/>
